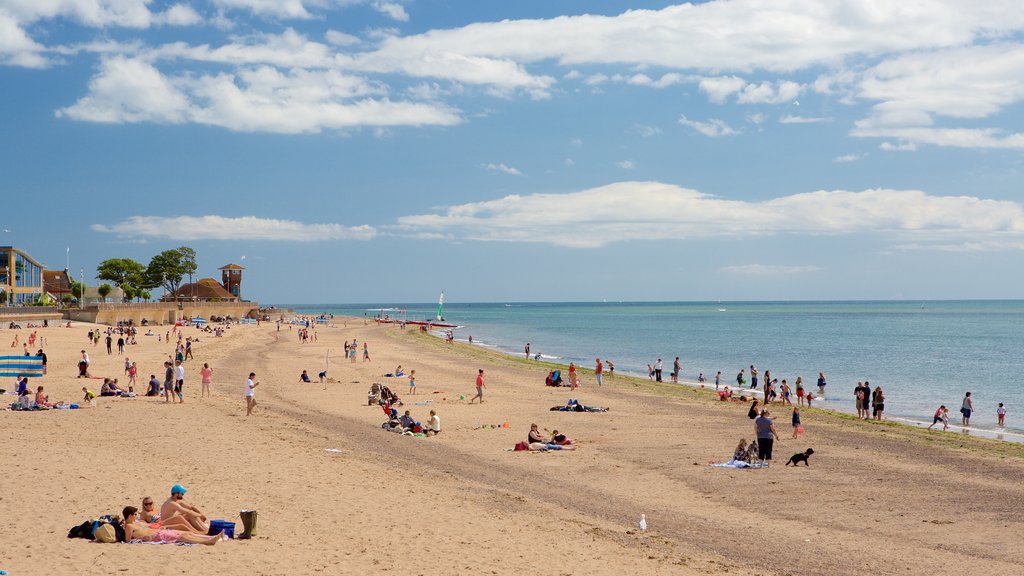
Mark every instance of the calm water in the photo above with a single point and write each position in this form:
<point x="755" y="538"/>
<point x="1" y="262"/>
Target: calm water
<point x="921" y="354"/>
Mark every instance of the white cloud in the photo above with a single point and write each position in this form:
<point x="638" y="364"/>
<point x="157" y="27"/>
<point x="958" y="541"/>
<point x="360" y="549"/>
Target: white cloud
<point x="626" y="164"/>
<point x="627" y="211"/>
<point x="276" y="8"/>
<point x="569" y="162"/>
<point x="595" y="79"/>
<point x="792" y="119"/>
<point x="767" y="269"/>
<point x="756" y="118"/>
<point x="229" y="228"/>
<point x="713" y="128"/>
<point x="337" y="38"/>
<point x="253" y="100"/>
<point x="720" y="88"/>
<point x="898" y="147"/>
<point x="646" y="131"/>
<point x="917" y="91"/>
<point x="16" y="47"/>
<point x="392" y="10"/>
<point x="178" y="15"/>
<point x="502" y="168"/>
<point x="769" y="93"/>
<point x="847" y="158"/>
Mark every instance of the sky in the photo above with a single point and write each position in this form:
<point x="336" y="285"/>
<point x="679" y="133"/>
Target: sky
<point x="384" y="150"/>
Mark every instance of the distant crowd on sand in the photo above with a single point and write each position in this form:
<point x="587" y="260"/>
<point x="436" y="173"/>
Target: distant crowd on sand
<point x="119" y="340"/>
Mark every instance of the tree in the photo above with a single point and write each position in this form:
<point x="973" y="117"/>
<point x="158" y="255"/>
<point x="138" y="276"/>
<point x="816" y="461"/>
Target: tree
<point x="77" y="288"/>
<point x="3" y="297"/>
<point x="103" y="290"/>
<point x="125" y="273"/>
<point x="67" y="298"/>
<point x="167" y="268"/>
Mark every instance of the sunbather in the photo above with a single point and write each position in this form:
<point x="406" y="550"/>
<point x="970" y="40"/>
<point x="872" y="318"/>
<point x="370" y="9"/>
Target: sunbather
<point x="151" y="516"/>
<point x="134" y="530"/>
<point x="174" y="506"/>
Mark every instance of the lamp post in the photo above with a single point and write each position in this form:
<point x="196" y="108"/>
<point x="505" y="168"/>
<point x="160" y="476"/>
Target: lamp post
<point x="81" y="296"/>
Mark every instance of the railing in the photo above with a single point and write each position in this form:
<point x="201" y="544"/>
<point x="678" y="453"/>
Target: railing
<point x="20" y="310"/>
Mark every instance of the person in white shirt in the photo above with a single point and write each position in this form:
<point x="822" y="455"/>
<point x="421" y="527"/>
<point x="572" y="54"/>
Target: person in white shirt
<point x="250" y="394"/>
<point x="179" y="380"/>
<point x="434" y="424"/>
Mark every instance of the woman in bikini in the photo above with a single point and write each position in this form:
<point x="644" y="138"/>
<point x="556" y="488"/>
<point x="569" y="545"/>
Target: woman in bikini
<point x="135" y="530"/>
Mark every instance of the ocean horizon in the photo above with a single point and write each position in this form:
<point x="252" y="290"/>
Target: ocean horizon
<point x="922" y="353"/>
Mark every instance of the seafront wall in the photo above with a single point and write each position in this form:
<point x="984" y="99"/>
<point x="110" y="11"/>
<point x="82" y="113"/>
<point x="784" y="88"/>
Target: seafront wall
<point x="29" y="314"/>
<point x="159" y="312"/>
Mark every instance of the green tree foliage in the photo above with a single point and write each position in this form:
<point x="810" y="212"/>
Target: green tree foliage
<point x="125" y="273"/>
<point x="103" y="290"/>
<point x="167" y="269"/>
<point x="77" y="288"/>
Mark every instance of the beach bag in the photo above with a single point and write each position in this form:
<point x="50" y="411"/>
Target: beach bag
<point x="105" y="533"/>
<point x="521" y="446"/>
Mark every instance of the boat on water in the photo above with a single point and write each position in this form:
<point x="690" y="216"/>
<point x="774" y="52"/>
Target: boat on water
<point x="399" y="316"/>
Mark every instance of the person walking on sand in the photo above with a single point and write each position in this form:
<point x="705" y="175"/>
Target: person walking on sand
<point x="797" y="427"/>
<point x="250" y="394"/>
<point x="207" y="378"/>
<point x="479" y="387"/>
<point x="598" y="370"/>
<point x="179" y="381"/>
<point x="412" y="382"/>
<point x="366" y="352"/>
<point x="966" y="409"/>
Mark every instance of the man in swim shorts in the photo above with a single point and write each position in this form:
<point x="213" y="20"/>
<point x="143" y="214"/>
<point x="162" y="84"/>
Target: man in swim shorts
<point x="175" y="507"/>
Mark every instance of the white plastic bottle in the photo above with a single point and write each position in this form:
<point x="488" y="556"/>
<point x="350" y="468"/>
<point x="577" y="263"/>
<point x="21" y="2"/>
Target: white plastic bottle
<point x="643" y="522"/>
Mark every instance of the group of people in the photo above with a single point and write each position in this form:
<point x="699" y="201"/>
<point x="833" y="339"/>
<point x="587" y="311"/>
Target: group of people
<point x="870" y="403"/>
<point x="175" y="521"/>
<point x="406" y="424"/>
<point x="966" y="410"/>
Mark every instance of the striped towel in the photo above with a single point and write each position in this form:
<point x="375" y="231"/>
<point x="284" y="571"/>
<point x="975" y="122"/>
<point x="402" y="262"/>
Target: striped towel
<point x="31" y="366"/>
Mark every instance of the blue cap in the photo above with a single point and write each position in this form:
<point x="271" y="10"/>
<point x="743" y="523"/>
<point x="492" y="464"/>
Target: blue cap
<point x="178" y="489"/>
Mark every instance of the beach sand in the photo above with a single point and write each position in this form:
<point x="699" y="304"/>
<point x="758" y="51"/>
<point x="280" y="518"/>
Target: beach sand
<point x="877" y="499"/>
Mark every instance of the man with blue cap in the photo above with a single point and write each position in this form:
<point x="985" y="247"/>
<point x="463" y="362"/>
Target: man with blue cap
<point x="174" y="506"/>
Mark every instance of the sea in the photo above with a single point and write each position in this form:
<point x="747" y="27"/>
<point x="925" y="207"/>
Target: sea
<point x="922" y="353"/>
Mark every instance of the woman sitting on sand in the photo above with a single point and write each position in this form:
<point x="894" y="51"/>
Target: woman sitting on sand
<point x="42" y="400"/>
<point x="740" y="453"/>
<point x="535" y="436"/>
<point x="560" y="439"/>
<point x="135" y="530"/>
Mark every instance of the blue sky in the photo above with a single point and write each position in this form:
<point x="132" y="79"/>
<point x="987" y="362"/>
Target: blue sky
<point x="380" y="151"/>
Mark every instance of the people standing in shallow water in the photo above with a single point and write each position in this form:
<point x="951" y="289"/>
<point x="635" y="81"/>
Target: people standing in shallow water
<point x="966" y="409"/>
<point x="1001" y="415"/>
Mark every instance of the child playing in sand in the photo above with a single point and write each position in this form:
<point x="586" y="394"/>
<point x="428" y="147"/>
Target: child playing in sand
<point x="412" y="382"/>
<point x="1001" y="414"/>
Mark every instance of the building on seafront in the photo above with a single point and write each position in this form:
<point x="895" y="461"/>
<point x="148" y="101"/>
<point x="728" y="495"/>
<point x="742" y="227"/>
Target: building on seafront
<point x="21" y="277"/>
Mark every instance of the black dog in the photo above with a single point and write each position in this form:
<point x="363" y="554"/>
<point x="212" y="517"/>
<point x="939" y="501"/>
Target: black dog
<point x="796" y="459"/>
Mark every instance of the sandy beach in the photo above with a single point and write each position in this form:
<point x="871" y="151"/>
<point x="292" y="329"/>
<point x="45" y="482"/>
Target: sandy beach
<point x="876" y="499"/>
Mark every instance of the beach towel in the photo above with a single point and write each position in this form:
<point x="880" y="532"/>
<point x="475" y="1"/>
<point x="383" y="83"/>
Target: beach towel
<point x="14" y="366"/>
<point x="739" y="464"/>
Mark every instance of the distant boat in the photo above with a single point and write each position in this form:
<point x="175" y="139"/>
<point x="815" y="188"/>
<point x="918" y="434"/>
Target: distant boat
<point x="721" y="309"/>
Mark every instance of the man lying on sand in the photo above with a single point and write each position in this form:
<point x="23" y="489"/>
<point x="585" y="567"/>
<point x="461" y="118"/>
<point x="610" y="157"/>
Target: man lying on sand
<point x="135" y="530"/>
<point x="174" y="507"/>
